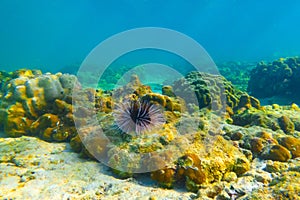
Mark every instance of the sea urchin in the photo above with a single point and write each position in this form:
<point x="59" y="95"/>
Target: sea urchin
<point x="138" y="117"/>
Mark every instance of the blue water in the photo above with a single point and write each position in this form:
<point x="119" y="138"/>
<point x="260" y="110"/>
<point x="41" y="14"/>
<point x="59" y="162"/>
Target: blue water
<point x="55" y="35"/>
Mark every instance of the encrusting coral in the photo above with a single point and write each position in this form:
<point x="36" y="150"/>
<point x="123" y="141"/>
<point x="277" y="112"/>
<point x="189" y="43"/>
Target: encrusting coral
<point x="277" y="78"/>
<point x="38" y="104"/>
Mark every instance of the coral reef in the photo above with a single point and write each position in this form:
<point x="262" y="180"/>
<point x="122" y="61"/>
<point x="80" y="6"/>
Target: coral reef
<point x="278" y="78"/>
<point x="265" y="143"/>
<point x="275" y="117"/>
<point x="180" y="136"/>
<point x="177" y="152"/>
<point x="205" y="90"/>
<point x="38" y="104"/>
<point x="238" y="73"/>
<point x="213" y="92"/>
<point x="203" y="164"/>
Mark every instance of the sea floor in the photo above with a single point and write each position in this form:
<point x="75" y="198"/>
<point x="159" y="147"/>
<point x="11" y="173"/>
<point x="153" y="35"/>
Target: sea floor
<point x="34" y="169"/>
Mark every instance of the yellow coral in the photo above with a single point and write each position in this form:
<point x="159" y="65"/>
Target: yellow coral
<point x="295" y="107"/>
<point x="165" y="177"/>
<point x="281" y="59"/>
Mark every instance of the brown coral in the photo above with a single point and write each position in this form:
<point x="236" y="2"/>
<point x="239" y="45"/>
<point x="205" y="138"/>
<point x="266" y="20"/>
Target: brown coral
<point x="286" y="124"/>
<point x="165" y="177"/>
<point x="292" y="144"/>
<point x="276" y="153"/>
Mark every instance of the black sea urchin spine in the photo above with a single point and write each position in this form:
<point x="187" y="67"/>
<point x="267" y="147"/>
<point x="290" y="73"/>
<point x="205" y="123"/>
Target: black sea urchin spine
<point x="138" y="117"/>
